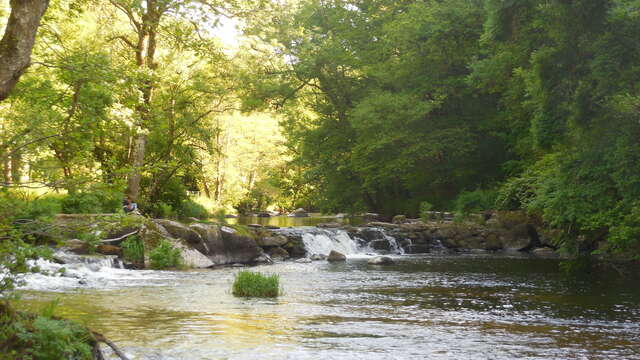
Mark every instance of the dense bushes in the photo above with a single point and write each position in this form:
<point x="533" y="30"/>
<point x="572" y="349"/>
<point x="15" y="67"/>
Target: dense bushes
<point x="165" y="256"/>
<point x="28" y="336"/>
<point x="475" y="201"/>
<point x="255" y="284"/>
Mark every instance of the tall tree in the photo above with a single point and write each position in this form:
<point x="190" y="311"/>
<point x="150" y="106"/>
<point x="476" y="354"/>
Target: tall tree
<point x="18" y="40"/>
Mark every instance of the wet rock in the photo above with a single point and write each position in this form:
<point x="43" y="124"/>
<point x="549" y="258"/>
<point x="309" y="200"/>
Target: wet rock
<point x="263" y="214"/>
<point x="210" y="235"/>
<point x="278" y="253"/>
<point x="318" y="257"/>
<point x="236" y="248"/>
<point x="255" y="226"/>
<point x="276" y="240"/>
<point x="384" y="225"/>
<point x="380" y="260"/>
<point x="335" y="256"/>
<point x="109" y="250"/>
<point x="380" y="245"/>
<point x="371" y="216"/>
<point x="416" y="249"/>
<point x="518" y="238"/>
<point x="263" y="259"/>
<point x="303" y="261"/>
<point x="399" y="219"/>
<point x="77" y="246"/>
<point x="369" y="234"/>
<point x="299" y="213"/>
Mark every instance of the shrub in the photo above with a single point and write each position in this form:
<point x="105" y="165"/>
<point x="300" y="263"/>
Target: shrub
<point x="27" y="336"/>
<point x="475" y="201"/>
<point x="133" y="250"/>
<point x="255" y="284"/>
<point x="425" y="207"/>
<point x="190" y="208"/>
<point x="165" y="256"/>
<point x="98" y="199"/>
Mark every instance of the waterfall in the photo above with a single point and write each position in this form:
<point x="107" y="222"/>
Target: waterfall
<point x="321" y="242"/>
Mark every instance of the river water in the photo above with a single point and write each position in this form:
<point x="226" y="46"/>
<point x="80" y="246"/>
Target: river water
<point x="424" y="307"/>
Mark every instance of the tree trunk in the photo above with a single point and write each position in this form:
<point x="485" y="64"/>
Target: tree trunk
<point x="133" y="188"/>
<point x="17" y="42"/>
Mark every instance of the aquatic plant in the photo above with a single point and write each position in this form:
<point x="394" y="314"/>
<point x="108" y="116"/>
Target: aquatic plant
<point x="255" y="284"/>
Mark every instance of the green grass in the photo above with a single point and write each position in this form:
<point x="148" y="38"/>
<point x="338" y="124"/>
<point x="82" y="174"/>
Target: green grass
<point x="255" y="284"/>
<point x="133" y="250"/>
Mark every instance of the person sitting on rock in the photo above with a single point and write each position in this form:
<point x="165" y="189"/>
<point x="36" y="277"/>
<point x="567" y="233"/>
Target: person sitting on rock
<point x="129" y="205"/>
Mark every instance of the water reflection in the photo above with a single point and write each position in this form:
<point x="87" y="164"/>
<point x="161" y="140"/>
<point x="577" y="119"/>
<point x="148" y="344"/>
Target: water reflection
<point x="464" y="307"/>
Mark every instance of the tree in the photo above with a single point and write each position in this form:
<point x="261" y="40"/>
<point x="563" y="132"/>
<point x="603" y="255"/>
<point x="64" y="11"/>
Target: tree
<point x="18" y="40"/>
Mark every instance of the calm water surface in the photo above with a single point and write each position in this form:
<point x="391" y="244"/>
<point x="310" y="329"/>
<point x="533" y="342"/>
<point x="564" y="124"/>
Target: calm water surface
<point x="424" y="307"/>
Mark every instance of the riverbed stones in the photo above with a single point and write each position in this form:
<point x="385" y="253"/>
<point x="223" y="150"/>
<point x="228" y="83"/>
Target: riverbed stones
<point x="335" y="256"/>
<point x="380" y="260"/>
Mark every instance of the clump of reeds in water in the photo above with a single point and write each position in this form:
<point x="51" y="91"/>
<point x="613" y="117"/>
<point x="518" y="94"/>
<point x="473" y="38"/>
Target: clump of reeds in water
<point x="255" y="284"/>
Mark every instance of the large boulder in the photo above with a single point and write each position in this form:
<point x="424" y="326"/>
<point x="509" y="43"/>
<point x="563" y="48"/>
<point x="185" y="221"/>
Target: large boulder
<point x="380" y="245"/>
<point x="275" y="240"/>
<point x="211" y="237"/>
<point x="184" y="232"/>
<point x="335" y="256"/>
<point x="299" y="213"/>
<point x="153" y="234"/>
<point x="519" y="238"/>
<point x="236" y="248"/>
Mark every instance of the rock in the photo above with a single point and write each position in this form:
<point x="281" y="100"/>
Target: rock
<point x="299" y="213"/>
<point x="263" y="259"/>
<point x="399" y="219"/>
<point x="230" y="216"/>
<point x="211" y="236"/>
<point x="109" y="250"/>
<point x="184" y="232"/>
<point x="153" y="234"/>
<point x="192" y="219"/>
<point x="369" y="234"/>
<point x="276" y="240"/>
<point x="384" y="225"/>
<point x="371" y="216"/>
<point x="341" y="216"/>
<point x="329" y="225"/>
<point x="278" y="253"/>
<point x="77" y="246"/>
<point x="235" y="248"/>
<point x="263" y="214"/>
<point x="519" y="238"/>
<point x="303" y="261"/>
<point x="236" y="265"/>
<point x="545" y="252"/>
<point x="255" y="226"/>
<point x="335" y="256"/>
<point x="380" y="245"/>
<point x="380" y="260"/>
<point x="416" y="249"/>
<point x="318" y="257"/>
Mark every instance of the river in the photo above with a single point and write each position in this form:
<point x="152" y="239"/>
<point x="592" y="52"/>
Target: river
<point x="473" y="306"/>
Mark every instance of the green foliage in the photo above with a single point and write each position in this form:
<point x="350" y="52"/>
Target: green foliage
<point x="165" y="256"/>
<point x="475" y="201"/>
<point x="99" y="199"/>
<point x="255" y="284"/>
<point x="133" y="250"/>
<point x="26" y="336"/>
<point x="425" y="207"/>
<point x="190" y="208"/>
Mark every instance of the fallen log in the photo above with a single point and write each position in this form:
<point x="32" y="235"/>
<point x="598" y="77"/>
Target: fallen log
<point x="101" y="338"/>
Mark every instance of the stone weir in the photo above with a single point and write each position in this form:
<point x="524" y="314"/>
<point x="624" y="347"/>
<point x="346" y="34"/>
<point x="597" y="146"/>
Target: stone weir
<point x="204" y="245"/>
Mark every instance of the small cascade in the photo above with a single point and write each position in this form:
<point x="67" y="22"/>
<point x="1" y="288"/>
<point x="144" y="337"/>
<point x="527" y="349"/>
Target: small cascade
<point x="68" y="270"/>
<point x="321" y="242"/>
